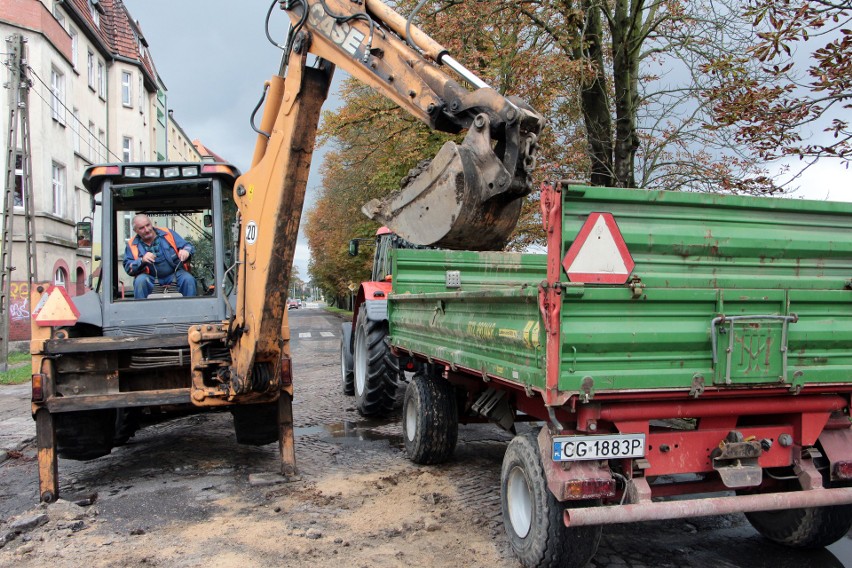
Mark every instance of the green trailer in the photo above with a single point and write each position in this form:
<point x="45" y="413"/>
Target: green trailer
<point x="673" y="344"/>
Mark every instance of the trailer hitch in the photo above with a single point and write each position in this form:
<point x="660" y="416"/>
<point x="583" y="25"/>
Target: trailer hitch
<point x="735" y="460"/>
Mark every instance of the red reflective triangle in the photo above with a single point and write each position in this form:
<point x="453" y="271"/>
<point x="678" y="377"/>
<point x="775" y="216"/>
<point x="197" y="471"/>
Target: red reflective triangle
<point x="56" y="308"/>
<point x="598" y="254"/>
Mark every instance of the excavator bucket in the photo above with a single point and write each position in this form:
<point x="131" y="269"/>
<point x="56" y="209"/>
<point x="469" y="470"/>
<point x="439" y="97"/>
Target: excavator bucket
<point x="461" y="200"/>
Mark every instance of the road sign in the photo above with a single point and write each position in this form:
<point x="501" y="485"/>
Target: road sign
<point x="55" y="308"/>
<point x="598" y="254"/>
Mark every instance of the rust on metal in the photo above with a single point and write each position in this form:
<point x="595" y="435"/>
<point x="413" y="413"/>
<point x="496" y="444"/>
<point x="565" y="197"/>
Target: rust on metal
<point x="666" y="510"/>
<point x="550" y="298"/>
<point x="48" y="479"/>
<point x="584" y="480"/>
<point x="286" y="435"/>
<point x="446" y="205"/>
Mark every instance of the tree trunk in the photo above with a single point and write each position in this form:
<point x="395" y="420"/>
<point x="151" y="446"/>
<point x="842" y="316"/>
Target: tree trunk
<point x="595" y="100"/>
<point x="625" y="33"/>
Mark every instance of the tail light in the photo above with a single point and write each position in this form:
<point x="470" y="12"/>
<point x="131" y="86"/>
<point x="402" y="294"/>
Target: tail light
<point x="286" y="372"/>
<point x="843" y="470"/>
<point x="588" y="488"/>
<point x="38" y="387"/>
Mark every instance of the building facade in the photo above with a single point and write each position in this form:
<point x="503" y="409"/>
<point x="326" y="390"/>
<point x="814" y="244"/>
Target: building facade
<point x="95" y="97"/>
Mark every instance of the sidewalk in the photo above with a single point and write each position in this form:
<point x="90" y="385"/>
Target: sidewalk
<point x="17" y="427"/>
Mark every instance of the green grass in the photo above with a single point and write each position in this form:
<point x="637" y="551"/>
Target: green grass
<point x="338" y="311"/>
<point x="20" y="371"/>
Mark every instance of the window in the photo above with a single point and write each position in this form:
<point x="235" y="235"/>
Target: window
<point x="127" y="149"/>
<point x="19" y="180"/>
<point x="92" y="153"/>
<point x="101" y="80"/>
<point x="75" y="46"/>
<point x="58" y="182"/>
<point x="93" y="10"/>
<point x="60" y="278"/>
<point x="126" y="93"/>
<point x="57" y="13"/>
<point x="90" y="67"/>
<point x="75" y="129"/>
<point x="57" y="101"/>
<point x="102" y="147"/>
<point x="142" y="99"/>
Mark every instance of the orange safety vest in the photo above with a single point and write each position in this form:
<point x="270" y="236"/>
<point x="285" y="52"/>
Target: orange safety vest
<point x="134" y="248"/>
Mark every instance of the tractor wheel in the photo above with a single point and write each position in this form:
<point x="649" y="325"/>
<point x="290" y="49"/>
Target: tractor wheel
<point x="347" y="370"/>
<point x="375" y="367"/>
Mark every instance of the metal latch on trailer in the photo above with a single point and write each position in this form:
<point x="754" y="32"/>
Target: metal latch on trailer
<point x="754" y="353"/>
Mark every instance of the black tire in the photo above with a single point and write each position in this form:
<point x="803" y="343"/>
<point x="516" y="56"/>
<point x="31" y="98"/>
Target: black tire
<point x="84" y="435"/>
<point x="375" y="367"/>
<point x="813" y="527"/>
<point x="256" y="424"/>
<point x="430" y="420"/>
<point x="347" y="371"/>
<point x="126" y="425"/>
<point x="532" y="516"/>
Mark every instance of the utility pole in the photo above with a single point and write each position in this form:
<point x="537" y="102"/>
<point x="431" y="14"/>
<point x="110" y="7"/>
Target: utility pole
<point x="18" y="146"/>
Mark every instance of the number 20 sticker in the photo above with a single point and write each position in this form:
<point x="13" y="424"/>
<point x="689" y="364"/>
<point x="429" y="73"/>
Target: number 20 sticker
<point x="251" y="232"/>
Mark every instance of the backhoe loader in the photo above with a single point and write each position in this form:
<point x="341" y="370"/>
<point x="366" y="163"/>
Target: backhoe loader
<point x="107" y="360"/>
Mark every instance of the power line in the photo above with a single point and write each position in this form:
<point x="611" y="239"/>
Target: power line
<point x="74" y="117"/>
<point x="68" y="111"/>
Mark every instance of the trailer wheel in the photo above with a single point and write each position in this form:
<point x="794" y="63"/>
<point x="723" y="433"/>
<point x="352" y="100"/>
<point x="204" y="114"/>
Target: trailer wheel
<point x="812" y="527"/>
<point x="375" y="368"/>
<point x="347" y="370"/>
<point x="84" y="435"/>
<point x="256" y="424"/>
<point x="532" y="516"/>
<point x="430" y="422"/>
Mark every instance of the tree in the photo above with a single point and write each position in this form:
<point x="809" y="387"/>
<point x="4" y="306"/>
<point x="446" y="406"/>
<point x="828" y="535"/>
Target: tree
<point x="617" y="81"/>
<point x="798" y="96"/>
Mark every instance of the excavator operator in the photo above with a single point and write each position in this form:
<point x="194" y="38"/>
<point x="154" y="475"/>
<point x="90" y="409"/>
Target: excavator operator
<point x="157" y="256"/>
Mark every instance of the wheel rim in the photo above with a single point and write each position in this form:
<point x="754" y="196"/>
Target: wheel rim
<point x="410" y="421"/>
<point x="360" y="361"/>
<point x="342" y="361"/>
<point x="519" y="502"/>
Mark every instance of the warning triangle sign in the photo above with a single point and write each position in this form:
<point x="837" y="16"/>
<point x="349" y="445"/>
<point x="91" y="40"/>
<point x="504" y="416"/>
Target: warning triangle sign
<point x="55" y="308"/>
<point x="598" y="254"/>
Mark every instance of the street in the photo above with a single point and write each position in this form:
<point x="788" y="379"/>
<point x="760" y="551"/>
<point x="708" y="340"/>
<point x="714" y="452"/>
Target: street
<point x="183" y="493"/>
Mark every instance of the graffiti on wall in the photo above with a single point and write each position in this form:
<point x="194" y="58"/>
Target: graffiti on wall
<point x="18" y="298"/>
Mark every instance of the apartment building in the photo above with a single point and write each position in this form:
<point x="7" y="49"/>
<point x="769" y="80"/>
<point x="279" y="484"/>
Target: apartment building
<point x="96" y="97"/>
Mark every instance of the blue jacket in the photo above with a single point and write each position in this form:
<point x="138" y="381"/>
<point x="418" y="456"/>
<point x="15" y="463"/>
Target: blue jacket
<point x="167" y="243"/>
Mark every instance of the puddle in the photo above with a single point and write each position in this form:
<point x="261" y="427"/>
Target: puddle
<point x="342" y="432"/>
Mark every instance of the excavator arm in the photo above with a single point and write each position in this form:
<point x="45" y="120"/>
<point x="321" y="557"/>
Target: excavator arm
<point x="468" y="197"/>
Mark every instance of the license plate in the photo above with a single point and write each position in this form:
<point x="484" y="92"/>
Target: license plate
<point x="601" y="447"/>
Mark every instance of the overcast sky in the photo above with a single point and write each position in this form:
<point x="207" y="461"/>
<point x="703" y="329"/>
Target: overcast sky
<point x="213" y="57"/>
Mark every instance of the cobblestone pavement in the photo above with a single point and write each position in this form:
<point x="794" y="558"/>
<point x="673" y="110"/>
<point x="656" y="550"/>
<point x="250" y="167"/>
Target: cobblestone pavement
<point x="183" y="493"/>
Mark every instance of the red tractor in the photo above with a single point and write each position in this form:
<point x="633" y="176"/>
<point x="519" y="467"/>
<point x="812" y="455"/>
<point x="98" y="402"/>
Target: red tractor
<point x="369" y="370"/>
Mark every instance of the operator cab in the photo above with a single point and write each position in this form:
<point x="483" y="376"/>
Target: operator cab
<point x="190" y="199"/>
